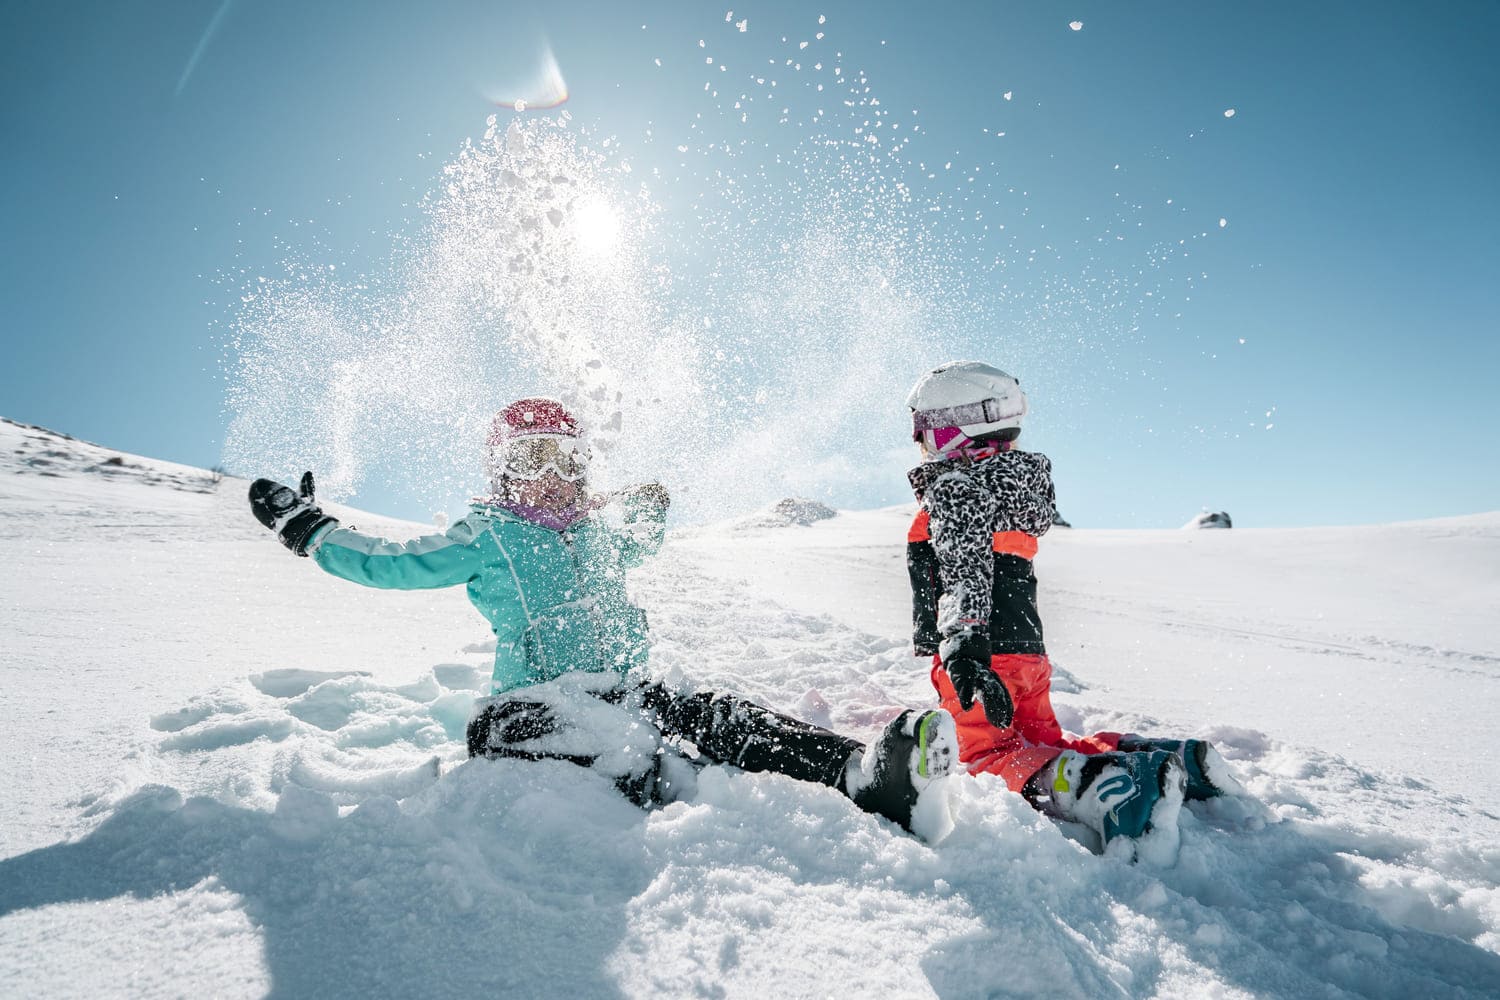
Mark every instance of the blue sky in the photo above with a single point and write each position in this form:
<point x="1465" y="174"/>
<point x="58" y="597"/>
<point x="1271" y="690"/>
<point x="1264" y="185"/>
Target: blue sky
<point x="1323" y="357"/>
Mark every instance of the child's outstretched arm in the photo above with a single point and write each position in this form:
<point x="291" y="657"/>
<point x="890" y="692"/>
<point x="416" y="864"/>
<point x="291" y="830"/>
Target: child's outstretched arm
<point x="645" y="521"/>
<point x="962" y="517"/>
<point x="422" y="563"/>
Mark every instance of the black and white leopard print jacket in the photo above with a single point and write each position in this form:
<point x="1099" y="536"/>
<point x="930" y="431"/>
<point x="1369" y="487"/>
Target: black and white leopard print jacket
<point x="969" y="554"/>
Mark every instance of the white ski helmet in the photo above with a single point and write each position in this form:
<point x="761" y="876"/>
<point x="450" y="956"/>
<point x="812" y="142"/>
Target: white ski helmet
<point x="965" y="404"/>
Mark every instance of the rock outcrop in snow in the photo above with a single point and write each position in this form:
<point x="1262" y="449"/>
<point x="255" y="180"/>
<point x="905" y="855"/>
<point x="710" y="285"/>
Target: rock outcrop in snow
<point x="790" y="512"/>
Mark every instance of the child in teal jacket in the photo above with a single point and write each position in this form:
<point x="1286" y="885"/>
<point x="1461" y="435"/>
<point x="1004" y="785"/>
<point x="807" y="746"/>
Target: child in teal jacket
<point x="555" y="599"/>
<point x="548" y="574"/>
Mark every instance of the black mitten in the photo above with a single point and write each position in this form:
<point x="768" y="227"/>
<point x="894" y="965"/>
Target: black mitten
<point x="972" y="679"/>
<point x="291" y="514"/>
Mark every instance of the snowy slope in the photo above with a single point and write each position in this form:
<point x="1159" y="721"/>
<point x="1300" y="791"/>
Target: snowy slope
<point x="230" y="774"/>
<point x="1379" y="643"/>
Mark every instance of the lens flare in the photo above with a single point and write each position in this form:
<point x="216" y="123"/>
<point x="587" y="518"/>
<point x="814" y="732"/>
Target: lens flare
<point x="546" y="89"/>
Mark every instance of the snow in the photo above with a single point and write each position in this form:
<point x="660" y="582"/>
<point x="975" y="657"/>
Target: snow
<point x="232" y="774"/>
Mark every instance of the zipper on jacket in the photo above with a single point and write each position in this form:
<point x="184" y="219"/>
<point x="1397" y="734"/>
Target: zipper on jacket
<point x="595" y="615"/>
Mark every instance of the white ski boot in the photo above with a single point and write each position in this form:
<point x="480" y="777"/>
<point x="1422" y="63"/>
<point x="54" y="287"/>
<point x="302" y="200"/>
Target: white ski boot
<point x="1208" y="774"/>
<point x="1130" y="800"/>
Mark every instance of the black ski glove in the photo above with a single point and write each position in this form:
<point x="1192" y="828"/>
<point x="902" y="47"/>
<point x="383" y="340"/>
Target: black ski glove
<point x="291" y="514"/>
<point x="646" y="497"/>
<point x="972" y="679"/>
<point x="968" y="666"/>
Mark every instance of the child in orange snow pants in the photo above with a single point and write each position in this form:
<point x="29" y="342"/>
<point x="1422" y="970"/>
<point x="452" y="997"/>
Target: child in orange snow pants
<point x="983" y="504"/>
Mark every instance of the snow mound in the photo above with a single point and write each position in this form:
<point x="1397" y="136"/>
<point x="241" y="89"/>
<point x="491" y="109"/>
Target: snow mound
<point x="1210" y="519"/>
<point x="404" y="876"/>
<point x="789" y="512"/>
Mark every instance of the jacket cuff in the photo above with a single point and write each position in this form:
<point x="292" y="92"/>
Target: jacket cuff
<point x="967" y="644"/>
<point x="315" y="538"/>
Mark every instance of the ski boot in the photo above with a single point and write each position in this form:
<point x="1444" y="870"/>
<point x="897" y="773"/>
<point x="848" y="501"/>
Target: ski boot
<point x="890" y="775"/>
<point x="1131" y="800"/>
<point x="1208" y="776"/>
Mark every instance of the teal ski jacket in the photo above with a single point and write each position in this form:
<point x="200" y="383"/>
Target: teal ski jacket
<point x="555" y="600"/>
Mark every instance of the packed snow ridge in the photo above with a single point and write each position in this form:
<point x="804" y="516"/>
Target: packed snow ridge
<point x="232" y="774"/>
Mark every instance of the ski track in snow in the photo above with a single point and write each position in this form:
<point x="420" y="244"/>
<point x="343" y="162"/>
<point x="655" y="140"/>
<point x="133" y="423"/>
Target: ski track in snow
<point x="264" y="791"/>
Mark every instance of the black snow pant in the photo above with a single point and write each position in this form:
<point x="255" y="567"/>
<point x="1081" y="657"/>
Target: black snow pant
<point x="723" y="728"/>
<point x="730" y="730"/>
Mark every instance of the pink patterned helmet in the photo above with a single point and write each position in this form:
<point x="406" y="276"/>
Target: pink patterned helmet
<point x="529" y="417"/>
<point x="532" y="437"/>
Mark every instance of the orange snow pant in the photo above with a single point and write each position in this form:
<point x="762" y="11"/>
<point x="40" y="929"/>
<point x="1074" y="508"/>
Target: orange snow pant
<point x="1034" y="738"/>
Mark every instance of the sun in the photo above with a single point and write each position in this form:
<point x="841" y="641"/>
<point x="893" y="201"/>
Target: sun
<point x="596" y="227"/>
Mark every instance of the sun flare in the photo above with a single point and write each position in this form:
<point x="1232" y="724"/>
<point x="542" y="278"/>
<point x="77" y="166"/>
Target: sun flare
<point x="545" y="90"/>
<point x="595" y="226"/>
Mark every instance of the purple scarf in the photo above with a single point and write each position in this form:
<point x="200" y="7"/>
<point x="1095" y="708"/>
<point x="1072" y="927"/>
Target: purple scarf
<point x="555" y="520"/>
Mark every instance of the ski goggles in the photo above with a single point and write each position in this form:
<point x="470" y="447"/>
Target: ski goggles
<point x="534" y="457"/>
<point x="988" y="411"/>
<point x="947" y="442"/>
<point x="941" y="440"/>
